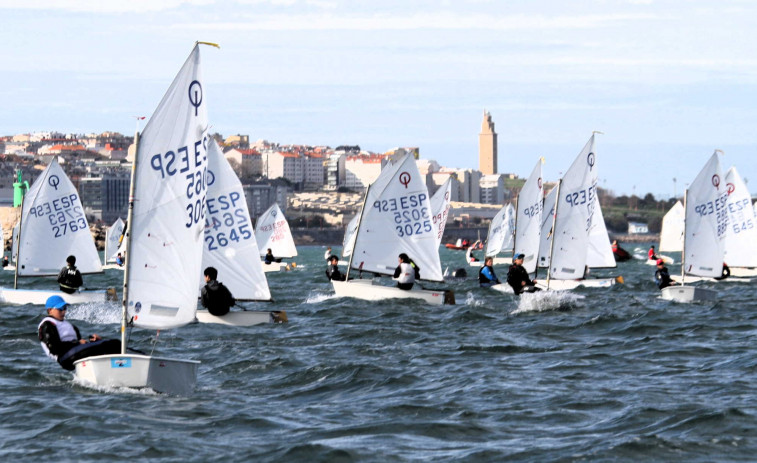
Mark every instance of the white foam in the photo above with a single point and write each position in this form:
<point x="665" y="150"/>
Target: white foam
<point x="95" y="312"/>
<point x="471" y="300"/>
<point x="542" y="301"/>
<point x="113" y="389"/>
<point x="315" y="298"/>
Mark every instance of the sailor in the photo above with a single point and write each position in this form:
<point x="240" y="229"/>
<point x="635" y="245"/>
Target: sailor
<point x="651" y="253"/>
<point x="726" y="272"/>
<point x="327" y="254"/>
<point x="61" y="340"/>
<point x="69" y="277"/>
<point x="517" y="277"/>
<point x="662" y="275"/>
<point x="406" y="272"/>
<point x="214" y="296"/>
<point x="119" y="260"/>
<point x="333" y="269"/>
<point x="486" y="276"/>
<point x="5" y="261"/>
<point x="269" y="257"/>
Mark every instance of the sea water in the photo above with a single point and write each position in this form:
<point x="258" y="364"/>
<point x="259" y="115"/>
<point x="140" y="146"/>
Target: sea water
<point x="588" y="375"/>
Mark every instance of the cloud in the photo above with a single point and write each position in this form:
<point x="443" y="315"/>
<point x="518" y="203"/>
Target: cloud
<point x="100" y="6"/>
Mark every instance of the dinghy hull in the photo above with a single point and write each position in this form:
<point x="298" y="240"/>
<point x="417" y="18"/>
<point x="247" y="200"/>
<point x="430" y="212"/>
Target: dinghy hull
<point x="274" y="267"/>
<point x="688" y="294"/>
<point x="563" y="285"/>
<point x="367" y="290"/>
<point x="39" y="296"/>
<point x="169" y="376"/>
<point x="243" y="318"/>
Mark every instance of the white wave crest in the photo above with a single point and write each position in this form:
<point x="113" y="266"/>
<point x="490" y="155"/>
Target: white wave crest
<point x="96" y="312"/>
<point x="542" y="301"/>
<point x="315" y="298"/>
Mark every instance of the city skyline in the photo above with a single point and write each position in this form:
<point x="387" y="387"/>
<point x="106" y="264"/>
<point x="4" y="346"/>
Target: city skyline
<point x="666" y="85"/>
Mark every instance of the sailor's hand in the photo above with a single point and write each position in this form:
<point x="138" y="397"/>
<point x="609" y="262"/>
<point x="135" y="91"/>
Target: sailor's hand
<point x="94" y="338"/>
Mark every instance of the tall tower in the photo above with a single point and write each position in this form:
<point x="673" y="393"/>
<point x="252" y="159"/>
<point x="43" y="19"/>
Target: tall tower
<point x="487" y="146"/>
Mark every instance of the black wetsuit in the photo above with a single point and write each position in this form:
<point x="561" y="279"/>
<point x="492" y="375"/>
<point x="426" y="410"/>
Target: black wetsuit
<point x="516" y="275"/>
<point x="334" y="274"/>
<point x="217" y="298"/>
<point x="662" y="278"/>
<point x="69" y="279"/>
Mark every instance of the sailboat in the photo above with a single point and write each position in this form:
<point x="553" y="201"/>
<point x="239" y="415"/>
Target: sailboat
<point x="272" y="232"/>
<point x="164" y="239"/>
<point x="741" y="237"/>
<point x="52" y="227"/>
<point x="575" y="208"/>
<point x="671" y="234"/>
<point x="705" y="225"/>
<point x="14" y="249"/>
<point x="396" y="218"/>
<point x="440" y="204"/>
<point x="499" y="237"/>
<point x="113" y="245"/>
<point x="230" y="245"/>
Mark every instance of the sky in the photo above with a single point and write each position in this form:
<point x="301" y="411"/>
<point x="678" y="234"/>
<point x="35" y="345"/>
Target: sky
<point x="667" y="82"/>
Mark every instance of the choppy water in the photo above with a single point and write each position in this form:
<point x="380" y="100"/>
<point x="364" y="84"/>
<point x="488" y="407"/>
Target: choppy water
<point x="591" y="375"/>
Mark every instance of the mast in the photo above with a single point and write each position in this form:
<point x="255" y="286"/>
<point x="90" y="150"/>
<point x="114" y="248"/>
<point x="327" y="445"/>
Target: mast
<point x="515" y="227"/>
<point x="17" y="244"/>
<point x="357" y="233"/>
<point x="127" y="237"/>
<point x="552" y="242"/>
<point x="683" y="248"/>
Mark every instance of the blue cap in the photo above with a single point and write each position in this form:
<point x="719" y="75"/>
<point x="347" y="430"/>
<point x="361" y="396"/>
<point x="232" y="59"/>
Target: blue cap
<point x="55" y="302"/>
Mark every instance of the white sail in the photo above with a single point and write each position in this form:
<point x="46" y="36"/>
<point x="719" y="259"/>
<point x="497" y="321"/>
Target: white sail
<point x="14" y="243"/>
<point x="547" y="219"/>
<point x="397" y="219"/>
<point x="671" y="233"/>
<point x="113" y="240"/>
<point x="741" y="237"/>
<point x="529" y="218"/>
<point x="440" y="208"/>
<point x="706" y="221"/>
<point x="501" y="229"/>
<point x="167" y="226"/>
<point x="272" y="232"/>
<point x="575" y="207"/>
<point x="54" y="226"/>
<point x="600" y="249"/>
<point x="349" y="236"/>
<point x="230" y="244"/>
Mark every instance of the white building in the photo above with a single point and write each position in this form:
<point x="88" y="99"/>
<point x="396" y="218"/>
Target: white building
<point x="492" y="189"/>
<point x="362" y="169"/>
<point x="637" y="228"/>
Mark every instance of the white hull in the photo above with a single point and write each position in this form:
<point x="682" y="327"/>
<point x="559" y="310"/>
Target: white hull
<point x="563" y="285"/>
<point x="113" y="267"/>
<point x="688" y="294"/>
<point x="693" y="279"/>
<point x="502" y="288"/>
<point x="743" y="272"/>
<point x="243" y="318"/>
<point x="39" y="296"/>
<point x="274" y="267"/>
<point x="367" y="290"/>
<point x="668" y="260"/>
<point x="170" y="376"/>
<point x="12" y="268"/>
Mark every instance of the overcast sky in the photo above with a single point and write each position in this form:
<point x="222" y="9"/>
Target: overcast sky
<point x="667" y="82"/>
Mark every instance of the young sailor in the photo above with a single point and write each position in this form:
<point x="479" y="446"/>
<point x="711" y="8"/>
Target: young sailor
<point x="486" y="276"/>
<point x="333" y="269"/>
<point x="61" y="340"/>
<point x="662" y="275"/>
<point x="517" y="277"/>
<point x="406" y="272"/>
<point x="214" y="296"/>
<point x="69" y="278"/>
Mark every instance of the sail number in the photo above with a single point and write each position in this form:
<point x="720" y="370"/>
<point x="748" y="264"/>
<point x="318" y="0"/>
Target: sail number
<point x="741" y="215"/>
<point x="226" y="221"/>
<point x="534" y="209"/>
<point x="440" y="220"/>
<point x="64" y="214"/>
<point x="580" y="197"/>
<point x="717" y="207"/>
<point x="409" y="213"/>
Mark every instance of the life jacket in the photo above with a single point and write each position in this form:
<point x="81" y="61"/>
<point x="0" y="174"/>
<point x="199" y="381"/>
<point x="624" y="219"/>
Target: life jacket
<point x="66" y="333"/>
<point x="407" y="273"/>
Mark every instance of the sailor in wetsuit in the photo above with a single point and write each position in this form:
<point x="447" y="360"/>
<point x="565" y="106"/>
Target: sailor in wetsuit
<point x="61" y="340"/>
<point x="486" y="276"/>
<point x="517" y="277"/>
<point x="69" y="278"/>
<point x="214" y="296"/>
<point x="406" y="272"/>
<point x="333" y="269"/>
<point x="662" y="275"/>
